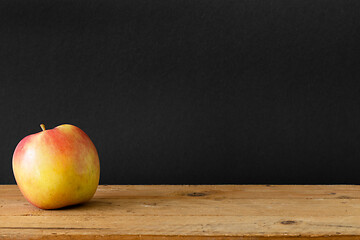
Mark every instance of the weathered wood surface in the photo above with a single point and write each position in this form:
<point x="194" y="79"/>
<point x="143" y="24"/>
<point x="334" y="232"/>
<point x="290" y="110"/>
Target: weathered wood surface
<point x="191" y="212"/>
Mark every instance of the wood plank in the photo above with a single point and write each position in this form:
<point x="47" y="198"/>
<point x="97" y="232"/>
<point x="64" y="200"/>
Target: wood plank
<point x="191" y="212"/>
<point x="220" y="191"/>
<point x="196" y="207"/>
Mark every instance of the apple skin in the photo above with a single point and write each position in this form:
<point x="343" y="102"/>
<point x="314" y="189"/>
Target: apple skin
<point x="57" y="167"/>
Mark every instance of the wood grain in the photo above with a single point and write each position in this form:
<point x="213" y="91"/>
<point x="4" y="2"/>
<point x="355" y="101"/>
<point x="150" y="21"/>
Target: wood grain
<point x="191" y="212"/>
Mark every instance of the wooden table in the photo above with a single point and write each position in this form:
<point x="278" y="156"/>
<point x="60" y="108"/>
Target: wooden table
<point x="191" y="212"/>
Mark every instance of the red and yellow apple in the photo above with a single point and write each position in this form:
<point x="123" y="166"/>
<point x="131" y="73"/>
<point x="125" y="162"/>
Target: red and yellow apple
<point x="57" y="167"/>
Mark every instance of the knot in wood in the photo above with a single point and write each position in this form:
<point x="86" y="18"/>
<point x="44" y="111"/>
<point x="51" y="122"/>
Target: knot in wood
<point x="288" y="222"/>
<point x="196" y="194"/>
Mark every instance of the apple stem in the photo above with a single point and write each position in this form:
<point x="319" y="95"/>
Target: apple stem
<point x="42" y="126"/>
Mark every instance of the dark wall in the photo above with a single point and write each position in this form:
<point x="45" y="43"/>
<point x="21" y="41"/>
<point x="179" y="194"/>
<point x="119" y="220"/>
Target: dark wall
<point x="188" y="91"/>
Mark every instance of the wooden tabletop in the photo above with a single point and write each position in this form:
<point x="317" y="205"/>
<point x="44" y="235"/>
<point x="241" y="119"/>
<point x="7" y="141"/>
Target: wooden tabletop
<point x="191" y="212"/>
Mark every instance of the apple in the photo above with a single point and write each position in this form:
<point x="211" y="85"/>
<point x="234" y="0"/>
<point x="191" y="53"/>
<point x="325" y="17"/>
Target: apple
<point x="57" y="167"/>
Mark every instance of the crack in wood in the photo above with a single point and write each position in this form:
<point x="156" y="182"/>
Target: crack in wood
<point x="335" y="225"/>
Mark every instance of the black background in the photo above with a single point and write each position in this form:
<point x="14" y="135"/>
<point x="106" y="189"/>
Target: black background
<point x="189" y="91"/>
